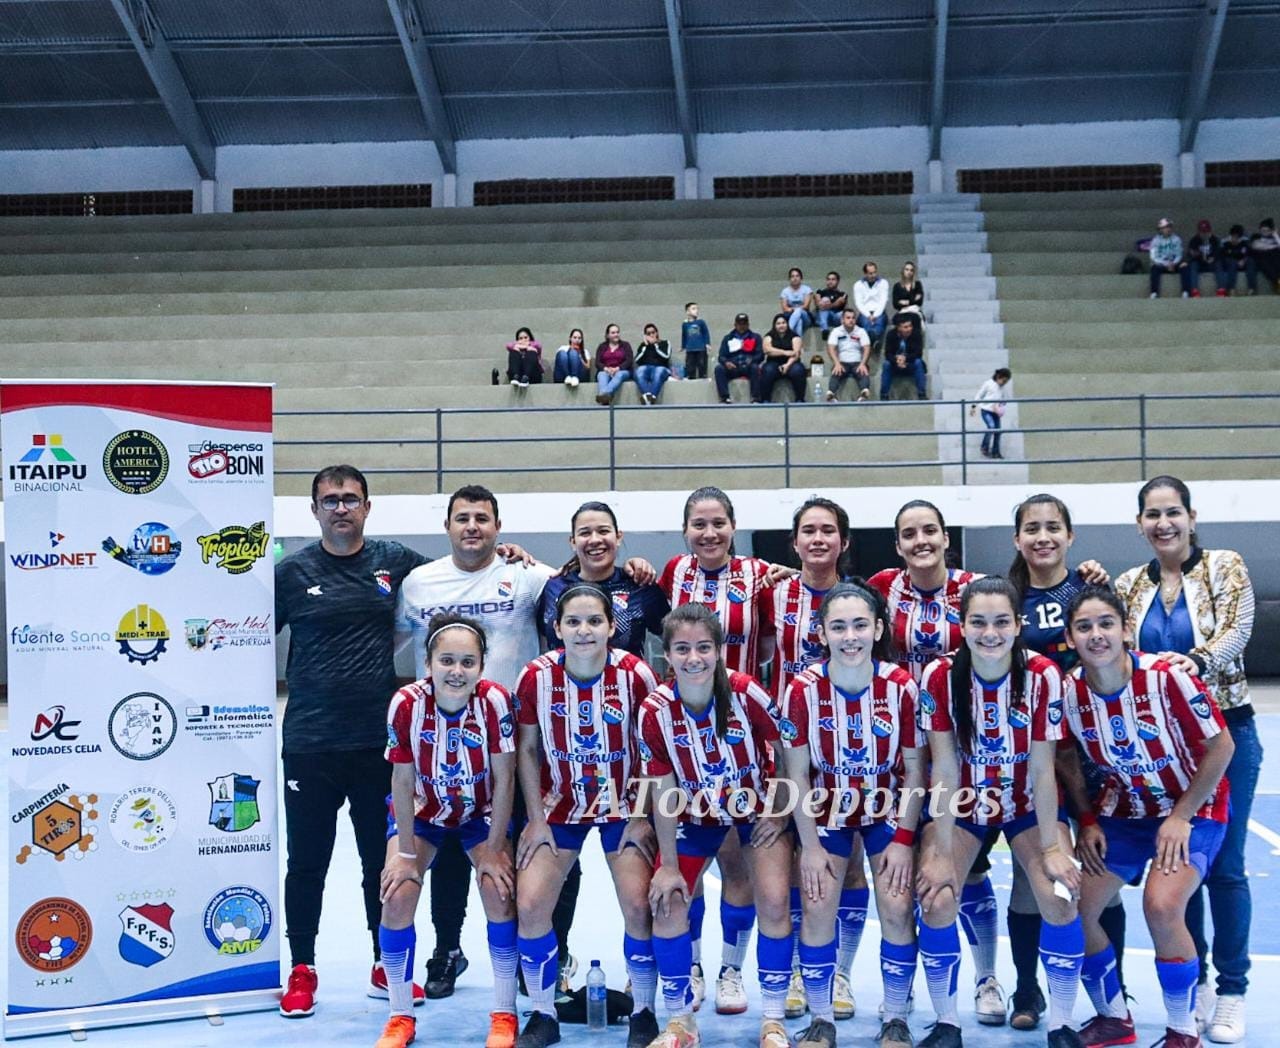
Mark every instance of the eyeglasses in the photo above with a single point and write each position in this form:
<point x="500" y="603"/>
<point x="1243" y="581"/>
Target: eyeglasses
<point x="332" y="502"/>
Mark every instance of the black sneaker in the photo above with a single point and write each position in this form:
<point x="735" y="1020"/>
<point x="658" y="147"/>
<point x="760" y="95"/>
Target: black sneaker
<point x="1026" y="1008"/>
<point x="540" y="1031"/>
<point x="644" y="1028"/>
<point x="493" y="376"/>
<point x="442" y="972"/>
<point x="1064" y="1037"/>
<point x="820" y="1034"/>
<point x="943" y="1035"/>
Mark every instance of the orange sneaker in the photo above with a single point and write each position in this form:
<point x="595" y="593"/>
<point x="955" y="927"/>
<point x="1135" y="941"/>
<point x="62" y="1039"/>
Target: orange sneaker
<point x="502" y="1030"/>
<point x="299" y="998"/>
<point x="399" y="1031"/>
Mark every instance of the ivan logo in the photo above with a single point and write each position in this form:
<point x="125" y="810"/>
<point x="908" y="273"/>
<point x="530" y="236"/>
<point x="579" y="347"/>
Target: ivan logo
<point x="235" y="547"/>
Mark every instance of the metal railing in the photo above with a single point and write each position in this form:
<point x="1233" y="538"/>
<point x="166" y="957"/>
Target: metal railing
<point x="788" y="438"/>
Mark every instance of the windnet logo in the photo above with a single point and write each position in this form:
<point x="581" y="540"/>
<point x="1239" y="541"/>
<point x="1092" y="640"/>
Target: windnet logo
<point x="47" y="466"/>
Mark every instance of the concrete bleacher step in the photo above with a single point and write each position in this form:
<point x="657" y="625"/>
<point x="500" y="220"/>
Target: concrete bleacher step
<point x="960" y="265"/>
<point x="957" y="311"/>
<point x="947" y="222"/>
<point x="967" y="287"/>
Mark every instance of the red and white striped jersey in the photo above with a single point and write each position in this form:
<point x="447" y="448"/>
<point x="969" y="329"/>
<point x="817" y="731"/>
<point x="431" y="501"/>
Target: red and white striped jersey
<point x="709" y="768"/>
<point x="735" y="593"/>
<point x="450" y="751"/>
<point x="1149" y="737"/>
<point x="795" y="628"/>
<point x="996" y="762"/>
<point x="925" y="624"/>
<point x="588" y="733"/>
<point x="855" y="741"/>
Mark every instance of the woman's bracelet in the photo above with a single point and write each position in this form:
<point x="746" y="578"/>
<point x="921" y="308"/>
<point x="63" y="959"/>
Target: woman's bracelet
<point x="406" y="855"/>
<point x="904" y="836"/>
<point x="1087" y="818"/>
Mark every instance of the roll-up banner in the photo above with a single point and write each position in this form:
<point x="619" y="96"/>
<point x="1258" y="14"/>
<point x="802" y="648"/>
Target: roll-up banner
<point x="143" y="845"/>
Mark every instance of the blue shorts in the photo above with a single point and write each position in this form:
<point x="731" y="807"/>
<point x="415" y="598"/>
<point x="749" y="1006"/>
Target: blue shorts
<point x="573" y="835"/>
<point x="839" y="840"/>
<point x="1131" y="844"/>
<point x="470" y="833"/>
<point x="704" y="841"/>
<point x="987" y="833"/>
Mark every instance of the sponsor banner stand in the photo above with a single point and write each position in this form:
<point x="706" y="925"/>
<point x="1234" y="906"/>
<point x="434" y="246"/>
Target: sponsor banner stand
<point x="143" y="845"/>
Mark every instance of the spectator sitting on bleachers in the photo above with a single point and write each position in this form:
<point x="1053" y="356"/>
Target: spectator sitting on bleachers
<point x="1237" y="256"/>
<point x="782" y="352"/>
<point x="653" y="364"/>
<point x="1204" y="252"/>
<point x="573" y="362"/>
<point x="614" y="364"/>
<point x="871" y="299"/>
<point x="797" y="301"/>
<point x="849" y="348"/>
<point x="908" y="293"/>
<point x="739" y="357"/>
<point x="524" y="359"/>
<point x="695" y="340"/>
<point x="1167" y="257"/>
<point x="1264" y="246"/>
<point x="904" y="355"/>
<point x="830" y="301"/>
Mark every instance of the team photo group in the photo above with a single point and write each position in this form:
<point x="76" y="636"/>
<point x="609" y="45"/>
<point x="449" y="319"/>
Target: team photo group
<point x="786" y="730"/>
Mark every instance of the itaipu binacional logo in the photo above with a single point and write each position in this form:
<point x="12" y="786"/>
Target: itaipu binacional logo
<point x="152" y="549"/>
<point x="135" y="462"/>
<point x="237" y="920"/>
<point x="53" y="934"/>
<point x="142" y="726"/>
<point x="142" y="634"/>
<point x="143" y="818"/>
<point x="47" y="466"/>
<point x="235" y="548"/>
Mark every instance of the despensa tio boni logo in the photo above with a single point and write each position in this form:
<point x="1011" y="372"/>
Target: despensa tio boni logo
<point x="224" y="461"/>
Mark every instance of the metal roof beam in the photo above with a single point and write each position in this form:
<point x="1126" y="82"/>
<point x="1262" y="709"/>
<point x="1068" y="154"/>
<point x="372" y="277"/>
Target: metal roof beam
<point x="684" y="111"/>
<point x="939" y="79"/>
<point x="413" y="40"/>
<point x="1202" y="65"/>
<point x="157" y="58"/>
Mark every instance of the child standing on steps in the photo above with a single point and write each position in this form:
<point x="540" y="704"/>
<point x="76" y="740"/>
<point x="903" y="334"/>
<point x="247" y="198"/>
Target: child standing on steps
<point x="992" y="397"/>
<point x="694" y="340"/>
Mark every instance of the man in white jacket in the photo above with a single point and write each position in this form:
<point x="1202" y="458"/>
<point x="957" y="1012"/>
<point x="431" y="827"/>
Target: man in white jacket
<point x="871" y="299"/>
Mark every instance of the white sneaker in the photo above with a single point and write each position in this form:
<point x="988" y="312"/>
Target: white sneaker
<point x="1206" y="998"/>
<point x="988" y="1002"/>
<point x="515" y="382"/>
<point x="571" y="381"/>
<point x="731" y="995"/>
<point x="830" y="397"/>
<point x="1227" y="1025"/>
<point x="523" y="383"/>
<point x="698" y="985"/>
<point x="797" y="998"/>
<point x="842" y="1002"/>
<point x="1154" y="294"/>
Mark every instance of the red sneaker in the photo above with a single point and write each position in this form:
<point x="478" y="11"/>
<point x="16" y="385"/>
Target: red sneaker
<point x="378" y="986"/>
<point x="1221" y="292"/>
<point x="1195" y="293"/>
<point x="1103" y="1031"/>
<point x="1177" y="1039"/>
<point x="299" y="998"/>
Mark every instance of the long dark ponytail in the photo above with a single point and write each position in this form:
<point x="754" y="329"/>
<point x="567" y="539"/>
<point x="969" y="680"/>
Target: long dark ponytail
<point x="962" y="662"/>
<point x="701" y="615"/>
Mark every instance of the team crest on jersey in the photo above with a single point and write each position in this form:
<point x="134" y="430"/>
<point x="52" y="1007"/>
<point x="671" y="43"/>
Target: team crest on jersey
<point x="505" y="588"/>
<point x="881" y="727"/>
<point x="383" y="579"/>
<point x="645" y="752"/>
<point x="1147" y="730"/>
<point x="953" y="616"/>
<point x="927" y="704"/>
<point x="612" y="712"/>
<point x="1202" y="706"/>
<point x="1018" y="717"/>
<point x="734" y="733"/>
<point x="737" y="591"/>
<point x="788" y="730"/>
<point x="620" y="600"/>
<point x="507" y="725"/>
<point x="472" y="738"/>
<point x="1055" y="712"/>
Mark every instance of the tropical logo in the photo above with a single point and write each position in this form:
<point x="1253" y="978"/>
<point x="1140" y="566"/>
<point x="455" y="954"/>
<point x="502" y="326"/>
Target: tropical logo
<point x="235" y="548"/>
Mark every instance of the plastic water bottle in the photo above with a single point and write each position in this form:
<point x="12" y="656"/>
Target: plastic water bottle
<point x="597" y="999"/>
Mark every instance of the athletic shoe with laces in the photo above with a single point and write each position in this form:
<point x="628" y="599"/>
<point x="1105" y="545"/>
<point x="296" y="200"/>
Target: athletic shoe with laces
<point x="568" y="969"/>
<point x="894" y="1034"/>
<point x="1025" y="1009"/>
<point x="697" y="985"/>
<point x="820" y="1034"/>
<point x="797" y="997"/>
<point x="988" y="1001"/>
<point x="540" y="1031"/>
<point x="842" y="1002"/>
<point x="1206" y="998"/>
<point x="378" y="987"/>
<point x="1177" y="1039"/>
<point x="442" y="972"/>
<point x="642" y="1029"/>
<point x="681" y="1032"/>
<point x="1227" y="1024"/>
<point x="399" y="1031"/>
<point x="731" y="995"/>
<point x="773" y="1035"/>
<point x="943" y="1035"/>
<point x="1104" y="1031"/>
<point x="503" y="1028"/>
<point x="299" y="998"/>
<point x="864" y="394"/>
<point x="1064" y="1037"/>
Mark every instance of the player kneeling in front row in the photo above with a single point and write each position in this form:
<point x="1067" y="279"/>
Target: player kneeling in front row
<point x="451" y="739"/>
<point x="1161" y="739"/>
<point x="849" y="725"/>
<point x="707" y="737"/>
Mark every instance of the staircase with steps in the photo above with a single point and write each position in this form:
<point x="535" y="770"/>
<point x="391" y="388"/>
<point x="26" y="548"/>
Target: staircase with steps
<point x="965" y="340"/>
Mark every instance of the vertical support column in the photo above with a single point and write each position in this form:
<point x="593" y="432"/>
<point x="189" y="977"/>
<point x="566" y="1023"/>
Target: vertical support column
<point x="935" y="177"/>
<point x="206" y="198"/>
<point x="449" y="190"/>
<point x="690" y="183"/>
<point x="1188" y="170"/>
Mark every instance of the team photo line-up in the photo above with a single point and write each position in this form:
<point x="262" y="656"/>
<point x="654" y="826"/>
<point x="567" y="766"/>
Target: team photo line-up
<point x="804" y="723"/>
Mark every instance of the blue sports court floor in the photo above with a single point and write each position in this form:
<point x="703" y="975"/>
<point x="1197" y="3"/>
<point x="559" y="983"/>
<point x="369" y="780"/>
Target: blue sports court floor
<point x="344" y="1016"/>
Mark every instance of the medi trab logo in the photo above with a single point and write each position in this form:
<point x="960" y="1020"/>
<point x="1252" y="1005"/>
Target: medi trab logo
<point x="47" y="466"/>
